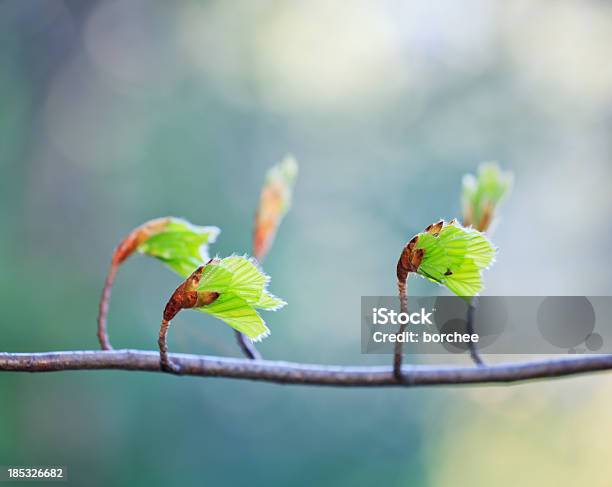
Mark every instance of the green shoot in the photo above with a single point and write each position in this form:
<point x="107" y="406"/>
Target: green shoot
<point x="176" y="242"/>
<point x="450" y="255"/>
<point x="180" y="245"/>
<point x="231" y="289"/>
<point x="482" y="194"/>
<point x="274" y="203"/>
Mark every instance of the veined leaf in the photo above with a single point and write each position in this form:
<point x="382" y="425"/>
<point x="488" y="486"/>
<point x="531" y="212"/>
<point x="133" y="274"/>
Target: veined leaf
<point x="238" y="314"/>
<point x="242" y="288"/>
<point x="248" y="281"/>
<point x="215" y="278"/>
<point x="455" y="257"/>
<point x="235" y="274"/>
<point x="180" y="245"/>
<point x="269" y="302"/>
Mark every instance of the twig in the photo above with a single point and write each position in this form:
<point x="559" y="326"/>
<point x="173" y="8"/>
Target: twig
<point x="104" y="303"/>
<point x="397" y="354"/>
<point x="473" y="348"/>
<point x="247" y="347"/>
<point x="184" y="297"/>
<point x="166" y="364"/>
<point x="307" y="374"/>
<point x="125" y="248"/>
<point x="409" y="261"/>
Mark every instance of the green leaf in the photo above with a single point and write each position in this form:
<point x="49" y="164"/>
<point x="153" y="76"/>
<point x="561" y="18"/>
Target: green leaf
<point x="242" y="288"/>
<point x="482" y="194"/>
<point x="239" y="275"/>
<point x="215" y="278"/>
<point x="238" y="314"/>
<point x="248" y="280"/>
<point x="180" y="245"/>
<point x="269" y="302"/>
<point x="455" y="258"/>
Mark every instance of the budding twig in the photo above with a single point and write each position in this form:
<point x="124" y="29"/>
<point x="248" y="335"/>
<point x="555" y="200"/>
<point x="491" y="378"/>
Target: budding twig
<point x="409" y="261"/>
<point x="397" y="354"/>
<point x="247" y="347"/>
<point x="103" y="308"/>
<point x="126" y="248"/>
<point x="184" y="297"/>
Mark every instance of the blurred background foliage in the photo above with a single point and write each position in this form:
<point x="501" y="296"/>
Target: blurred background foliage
<point x="114" y="112"/>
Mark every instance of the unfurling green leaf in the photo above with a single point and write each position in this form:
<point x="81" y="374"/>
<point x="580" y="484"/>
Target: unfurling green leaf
<point x="180" y="245"/>
<point x="482" y="194"/>
<point x="274" y="202"/>
<point x="450" y="255"/>
<point x="242" y="290"/>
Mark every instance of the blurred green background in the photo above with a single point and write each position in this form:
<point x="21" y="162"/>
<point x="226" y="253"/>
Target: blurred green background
<point x="115" y="112"/>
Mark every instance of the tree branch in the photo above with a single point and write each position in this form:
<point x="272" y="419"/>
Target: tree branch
<point x="307" y="374"/>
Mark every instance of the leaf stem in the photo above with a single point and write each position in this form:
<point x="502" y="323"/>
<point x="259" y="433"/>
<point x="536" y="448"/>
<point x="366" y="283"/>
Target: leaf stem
<point x="472" y="347"/>
<point x="185" y="296"/>
<point x="397" y="356"/>
<point x="164" y="360"/>
<point x="125" y="248"/>
<point x="247" y="347"/>
<point x="104" y="304"/>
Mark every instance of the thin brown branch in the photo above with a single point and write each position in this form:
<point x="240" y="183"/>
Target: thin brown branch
<point x="306" y="374"/>
<point x="247" y="347"/>
<point x="165" y="363"/>
<point x="125" y="248"/>
<point x="473" y="348"/>
<point x="409" y="261"/>
<point x="398" y="352"/>
<point x="104" y="304"/>
<point x="185" y="296"/>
